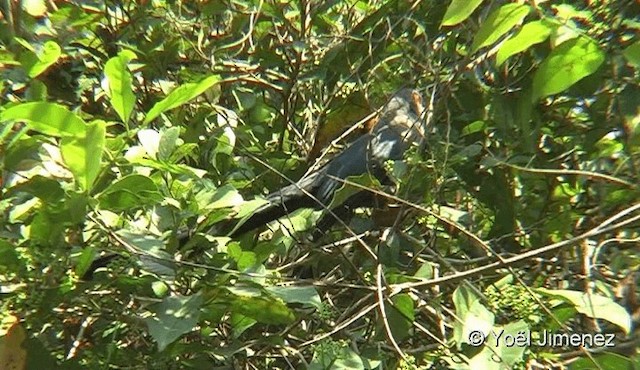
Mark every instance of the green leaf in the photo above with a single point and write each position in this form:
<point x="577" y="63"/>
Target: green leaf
<point x="531" y="33"/>
<point x="225" y="196"/>
<point x="594" y="306"/>
<point x="9" y="260"/>
<point x="400" y="315"/>
<point x="175" y="316"/>
<point x="47" y="189"/>
<point x="345" y="191"/>
<point x="244" y="259"/>
<point x="85" y="260"/>
<point x="264" y="310"/>
<point x="37" y="91"/>
<point x="178" y="169"/>
<point x="169" y="140"/>
<point x="632" y="53"/>
<point x="149" y="244"/>
<point x="83" y="153"/>
<point x="473" y="127"/>
<point x="501" y="21"/>
<point x="507" y="353"/>
<point x="301" y="219"/>
<point x="567" y="64"/>
<point x="472" y="315"/>
<point x="240" y="323"/>
<point x="348" y="359"/>
<point x="37" y="62"/>
<point x="47" y="118"/>
<point x="459" y="10"/>
<point x="130" y="192"/>
<point x="606" y="361"/>
<point x="180" y="96"/>
<point x="297" y="294"/>
<point x="119" y="84"/>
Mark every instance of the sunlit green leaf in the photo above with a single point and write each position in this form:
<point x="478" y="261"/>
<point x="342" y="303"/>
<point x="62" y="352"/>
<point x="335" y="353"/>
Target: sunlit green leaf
<point x="169" y="140"/>
<point x="501" y="21"/>
<point x="594" y="306"/>
<point x="264" y="310"/>
<point x="225" y="196"/>
<point x="606" y="361"/>
<point x="150" y="140"/>
<point x="531" y="33"/>
<point x="83" y="153"/>
<point x="37" y="62"/>
<point x="119" y="84"/>
<point x="48" y="118"/>
<point x="472" y="316"/>
<point x="459" y="10"/>
<point x="567" y="64"/>
<point x="180" y="96"/>
<point x="35" y="8"/>
<point x="501" y="354"/>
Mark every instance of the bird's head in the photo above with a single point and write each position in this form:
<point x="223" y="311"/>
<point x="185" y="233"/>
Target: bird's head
<point x="405" y="101"/>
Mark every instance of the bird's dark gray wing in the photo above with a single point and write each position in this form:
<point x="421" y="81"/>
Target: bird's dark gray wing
<point x="397" y="128"/>
<point x="319" y="185"/>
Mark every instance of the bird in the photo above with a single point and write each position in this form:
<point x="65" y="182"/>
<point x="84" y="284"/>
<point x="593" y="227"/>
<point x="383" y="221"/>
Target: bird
<point x="398" y="126"/>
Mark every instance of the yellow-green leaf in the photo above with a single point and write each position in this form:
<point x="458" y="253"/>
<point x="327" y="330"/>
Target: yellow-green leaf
<point x="531" y="33"/>
<point x="459" y="10"/>
<point x="180" y="96"/>
<point x="632" y="53"/>
<point x="48" y="118"/>
<point x="119" y="84"/>
<point x="34" y="63"/>
<point x="501" y="21"/>
<point x="567" y="64"/>
<point x="83" y="153"/>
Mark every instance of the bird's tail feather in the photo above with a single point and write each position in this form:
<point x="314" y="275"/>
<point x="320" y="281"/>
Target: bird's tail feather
<point x="281" y="203"/>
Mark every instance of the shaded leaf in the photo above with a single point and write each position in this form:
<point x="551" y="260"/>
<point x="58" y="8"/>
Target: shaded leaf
<point x="130" y="192"/>
<point x="297" y="294"/>
<point x="400" y="315"/>
<point x="47" y="189"/>
<point x="632" y="53"/>
<point x="175" y="316"/>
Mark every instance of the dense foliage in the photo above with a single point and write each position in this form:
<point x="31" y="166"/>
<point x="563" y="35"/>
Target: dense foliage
<point x="135" y="135"/>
